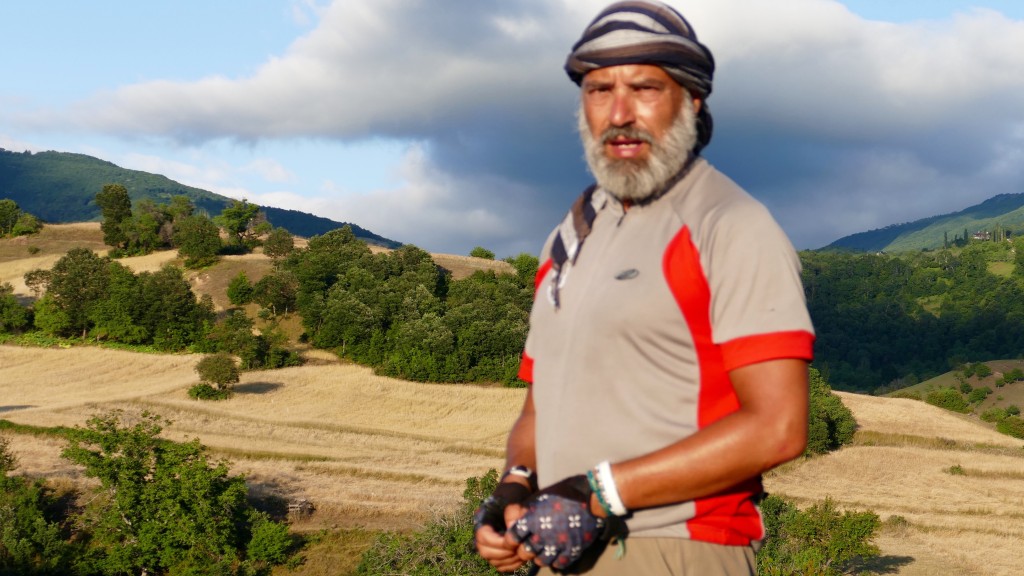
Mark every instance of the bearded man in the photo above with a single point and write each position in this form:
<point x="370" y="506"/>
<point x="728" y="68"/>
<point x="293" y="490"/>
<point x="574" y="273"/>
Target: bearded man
<point x="669" y="337"/>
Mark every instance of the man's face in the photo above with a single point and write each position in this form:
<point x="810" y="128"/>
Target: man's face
<point x="638" y="127"/>
<point x="639" y="96"/>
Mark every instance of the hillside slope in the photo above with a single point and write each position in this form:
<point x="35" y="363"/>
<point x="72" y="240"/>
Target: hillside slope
<point x="1004" y="210"/>
<point x="61" y="187"/>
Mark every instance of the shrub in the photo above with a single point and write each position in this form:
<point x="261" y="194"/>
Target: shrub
<point x="966" y="388"/>
<point x="956" y="470"/>
<point x="1012" y="410"/>
<point x="994" y="414"/>
<point x="444" y="547"/>
<point x="820" y="540"/>
<point x="978" y="395"/>
<point x="240" y="290"/>
<point x="982" y="370"/>
<point x="481" y="252"/>
<point x="831" y="422"/>
<point x="949" y="399"/>
<point x="1012" y="425"/>
<point x="204" y="391"/>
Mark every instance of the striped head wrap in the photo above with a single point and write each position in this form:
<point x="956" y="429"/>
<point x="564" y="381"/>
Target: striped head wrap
<point x="648" y="32"/>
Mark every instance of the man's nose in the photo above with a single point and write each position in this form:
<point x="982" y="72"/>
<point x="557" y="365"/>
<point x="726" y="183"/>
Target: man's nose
<point x="623" y="112"/>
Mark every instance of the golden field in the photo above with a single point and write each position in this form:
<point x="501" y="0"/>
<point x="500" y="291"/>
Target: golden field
<point x="378" y="453"/>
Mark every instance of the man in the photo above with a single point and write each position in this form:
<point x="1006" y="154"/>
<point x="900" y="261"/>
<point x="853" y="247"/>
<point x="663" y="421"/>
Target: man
<point x="669" y="337"/>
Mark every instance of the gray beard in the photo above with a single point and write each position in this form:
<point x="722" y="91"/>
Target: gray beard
<point x="638" y="180"/>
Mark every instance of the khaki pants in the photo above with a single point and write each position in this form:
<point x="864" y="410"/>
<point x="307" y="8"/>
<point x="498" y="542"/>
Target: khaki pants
<point x="673" y="557"/>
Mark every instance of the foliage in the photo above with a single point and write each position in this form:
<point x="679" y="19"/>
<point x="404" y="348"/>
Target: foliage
<point x="13" y="316"/>
<point x="481" y="252"/>
<point x="243" y="222"/>
<point x="948" y="398"/>
<point x="1013" y="410"/>
<point x="32" y="539"/>
<point x="881" y="317"/>
<point x="1011" y="425"/>
<point x="218" y="369"/>
<point x="240" y="290"/>
<point x="978" y="395"/>
<point x="831" y="422"/>
<point x="818" y="541"/>
<point x="162" y="507"/>
<point x="16" y="222"/>
<point x="402" y="314"/>
<point x="116" y="209"/>
<point x="443" y="548"/>
<point x="279" y="243"/>
<point x="198" y="240"/>
<point x="204" y="391"/>
<point x="994" y="415"/>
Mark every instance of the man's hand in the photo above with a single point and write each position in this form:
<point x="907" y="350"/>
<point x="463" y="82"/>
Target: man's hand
<point x="558" y="526"/>
<point x="492" y="519"/>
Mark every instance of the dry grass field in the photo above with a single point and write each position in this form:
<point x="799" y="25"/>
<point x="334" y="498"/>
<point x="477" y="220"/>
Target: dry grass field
<point x="377" y="453"/>
<point x="902" y="465"/>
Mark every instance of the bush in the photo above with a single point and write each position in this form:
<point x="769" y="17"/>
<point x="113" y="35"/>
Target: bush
<point x="218" y="369"/>
<point x="994" y="414"/>
<point x="949" y="399"/>
<point x="1012" y="410"/>
<point x="966" y="388"/>
<point x="1012" y="425"/>
<point x="204" y="391"/>
<point x="443" y="548"/>
<point x="831" y="422"/>
<point x="978" y="395"/>
<point x="820" y="540"/>
<point x="481" y="252"/>
<point x="910" y="394"/>
<point x="240" y="290"/>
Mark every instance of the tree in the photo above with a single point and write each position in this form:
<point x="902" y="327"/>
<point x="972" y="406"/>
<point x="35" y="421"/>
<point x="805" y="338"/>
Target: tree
<point x="116" y="208"/>
<point x="279" y="242"/>
<point x="198" y="240"/>
<point x="243" y="222"/>
<point x="76" y="283"/>
<point x="218" y="369"/>
<point x="170" y="311"/>
<point x="481" y="252"/>
<point x="162" y="506"/>
<point x="9" y="213"/>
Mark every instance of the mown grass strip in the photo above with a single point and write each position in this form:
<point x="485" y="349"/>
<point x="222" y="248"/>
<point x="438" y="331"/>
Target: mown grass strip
<point x="873" y="438"/>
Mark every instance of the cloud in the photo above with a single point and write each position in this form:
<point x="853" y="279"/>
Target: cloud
<point x="839" y="124"/>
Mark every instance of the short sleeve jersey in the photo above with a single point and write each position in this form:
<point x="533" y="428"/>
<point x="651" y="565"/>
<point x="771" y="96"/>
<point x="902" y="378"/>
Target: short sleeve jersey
<point x="663" y="300"/>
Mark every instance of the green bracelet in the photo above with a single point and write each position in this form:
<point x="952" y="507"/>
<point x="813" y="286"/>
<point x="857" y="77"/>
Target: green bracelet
<point x="595" y="486"/>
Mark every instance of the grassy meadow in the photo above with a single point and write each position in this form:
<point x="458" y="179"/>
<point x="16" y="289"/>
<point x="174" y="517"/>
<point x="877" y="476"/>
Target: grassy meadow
<point x="375" y="453"/>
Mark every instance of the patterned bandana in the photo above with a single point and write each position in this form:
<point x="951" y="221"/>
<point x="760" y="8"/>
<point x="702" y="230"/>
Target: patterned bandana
<point x="647" y="32"/>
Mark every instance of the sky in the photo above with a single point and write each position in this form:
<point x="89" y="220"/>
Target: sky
<point x="450" y="124"/>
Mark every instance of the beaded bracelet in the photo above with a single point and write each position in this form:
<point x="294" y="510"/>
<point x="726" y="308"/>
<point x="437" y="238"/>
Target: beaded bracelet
<point x="595" y="486"/>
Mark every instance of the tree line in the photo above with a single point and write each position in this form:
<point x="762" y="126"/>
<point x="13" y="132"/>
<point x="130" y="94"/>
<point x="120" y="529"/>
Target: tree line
<point x="398" y="311"/>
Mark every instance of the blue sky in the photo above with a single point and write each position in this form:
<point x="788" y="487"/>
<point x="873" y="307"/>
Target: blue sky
<point x="449" y="124"/>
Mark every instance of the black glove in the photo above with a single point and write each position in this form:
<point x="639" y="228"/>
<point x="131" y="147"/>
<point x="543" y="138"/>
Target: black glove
<point x="491" y="511"/>
<point x="558" y="526"/>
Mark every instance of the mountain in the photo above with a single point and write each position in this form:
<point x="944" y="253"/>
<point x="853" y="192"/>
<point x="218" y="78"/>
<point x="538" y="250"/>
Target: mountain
<point x="1003" y="212"/>
<point x="61" y="187"/>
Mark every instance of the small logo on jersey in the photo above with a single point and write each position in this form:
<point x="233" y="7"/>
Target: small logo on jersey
<point x="627" y="274"/>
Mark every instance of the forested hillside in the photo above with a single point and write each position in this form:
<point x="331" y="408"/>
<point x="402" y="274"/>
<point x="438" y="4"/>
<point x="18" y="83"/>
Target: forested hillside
<point x="61" y="187"/>
<point x="1000" y="215"/>
<point x="892" y="320"/>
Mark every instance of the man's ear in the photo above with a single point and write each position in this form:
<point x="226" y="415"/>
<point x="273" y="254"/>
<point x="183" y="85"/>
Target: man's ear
<point x="696" y="104"/>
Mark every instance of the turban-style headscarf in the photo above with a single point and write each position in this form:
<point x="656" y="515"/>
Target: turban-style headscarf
<point x="647" y="32"/>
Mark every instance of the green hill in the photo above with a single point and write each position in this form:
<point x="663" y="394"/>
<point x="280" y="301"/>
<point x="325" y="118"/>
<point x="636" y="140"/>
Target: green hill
<point x="1005" y="211"/>
<point x="61" y="187"/>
